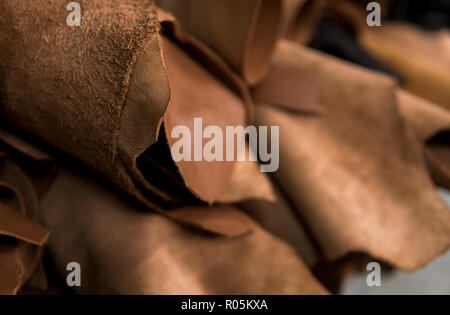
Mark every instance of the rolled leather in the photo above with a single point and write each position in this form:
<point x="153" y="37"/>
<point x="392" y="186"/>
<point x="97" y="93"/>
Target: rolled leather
<point x="97" y="92"/>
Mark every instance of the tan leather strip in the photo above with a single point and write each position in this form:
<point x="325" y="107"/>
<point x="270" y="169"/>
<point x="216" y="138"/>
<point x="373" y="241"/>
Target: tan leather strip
<point x="224" y="220"/>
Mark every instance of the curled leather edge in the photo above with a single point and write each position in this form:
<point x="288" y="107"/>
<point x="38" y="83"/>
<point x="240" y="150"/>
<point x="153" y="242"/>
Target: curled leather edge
<point x="208" y="58"/>
<point x="301" y="18"/>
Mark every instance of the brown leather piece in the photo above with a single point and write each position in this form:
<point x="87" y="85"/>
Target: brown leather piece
<point x="16" y="225"/>
<point x="281" y="220"/>
<point x="235" y="181"/>
<point x="162" y="256"/>
<point x="38" y="165"/>
<point x="214" y="104"/>
<point x="10" y="275"/>
<point x="429" y="122"/>
<point x="301" y="18"/>
<point x="110" y="133"/>
<point x="291" y="88"/>
<point x="23" y="147"/>
<point x="247" y="182"/>
<point x="76" y="80"/>
<point x="421" y="58"/>
<point x="244" y="33"/>
<point x="357" y="174"/>
<point x="21" y="237"/>
<point x="207" y="57"/>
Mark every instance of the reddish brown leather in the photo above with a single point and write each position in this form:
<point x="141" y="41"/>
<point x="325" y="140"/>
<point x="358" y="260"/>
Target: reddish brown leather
<point x="243" y="32"/>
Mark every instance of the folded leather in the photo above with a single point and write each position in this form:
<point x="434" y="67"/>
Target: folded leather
<point x="244" y="33"/>
<point x="357" y="174"/>
<point x="21" y="235"/>
<point x="123" y="250"/>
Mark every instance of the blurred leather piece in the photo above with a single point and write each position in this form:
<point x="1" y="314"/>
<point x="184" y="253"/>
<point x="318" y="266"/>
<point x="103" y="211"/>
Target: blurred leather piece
<point x="130" y="87"/>
<point x="290" y="88"/>
<point x="195" y="93"/>
<point x="431" y="124"/>
<point x="248" y="182"/>
<point x="123" y="250"/>
<point x="421" y="58"/>
<point x="357" y="174"/>
<point x="21" y="235"/>
<point x="300" y="18"/>
<point x="281" y="220"/>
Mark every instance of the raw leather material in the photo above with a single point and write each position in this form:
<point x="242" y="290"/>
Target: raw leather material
<point x="38" y="165"/>
<point x="282" y="221"/>
<point x="53" y="87"/>
<point x="148" y="254"/>
<point x="429" y="121"/>
<point x="195" y="93"/>
<point x="421" y="58"/>
<point x="290" y="88"/>
<point x="68" y="86"/>
<point x="244" y="33"/>
<point x="300" y="19"/>
<point x="357" y="174"/>
<point x="216" y="181"/>
<point x="207" y="57"/>
<point x="21" y="236"/>
<point x="335" y="38"/>
<point x="217" y="106"/>
<point x="247" y="182"/>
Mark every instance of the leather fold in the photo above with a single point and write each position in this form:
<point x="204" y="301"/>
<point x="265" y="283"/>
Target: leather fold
<point x="357" y="175"/>
<point x="244" y="33"/>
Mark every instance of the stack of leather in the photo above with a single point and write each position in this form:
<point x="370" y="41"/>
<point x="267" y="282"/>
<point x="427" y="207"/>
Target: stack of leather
<point x="87" y="174"/>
